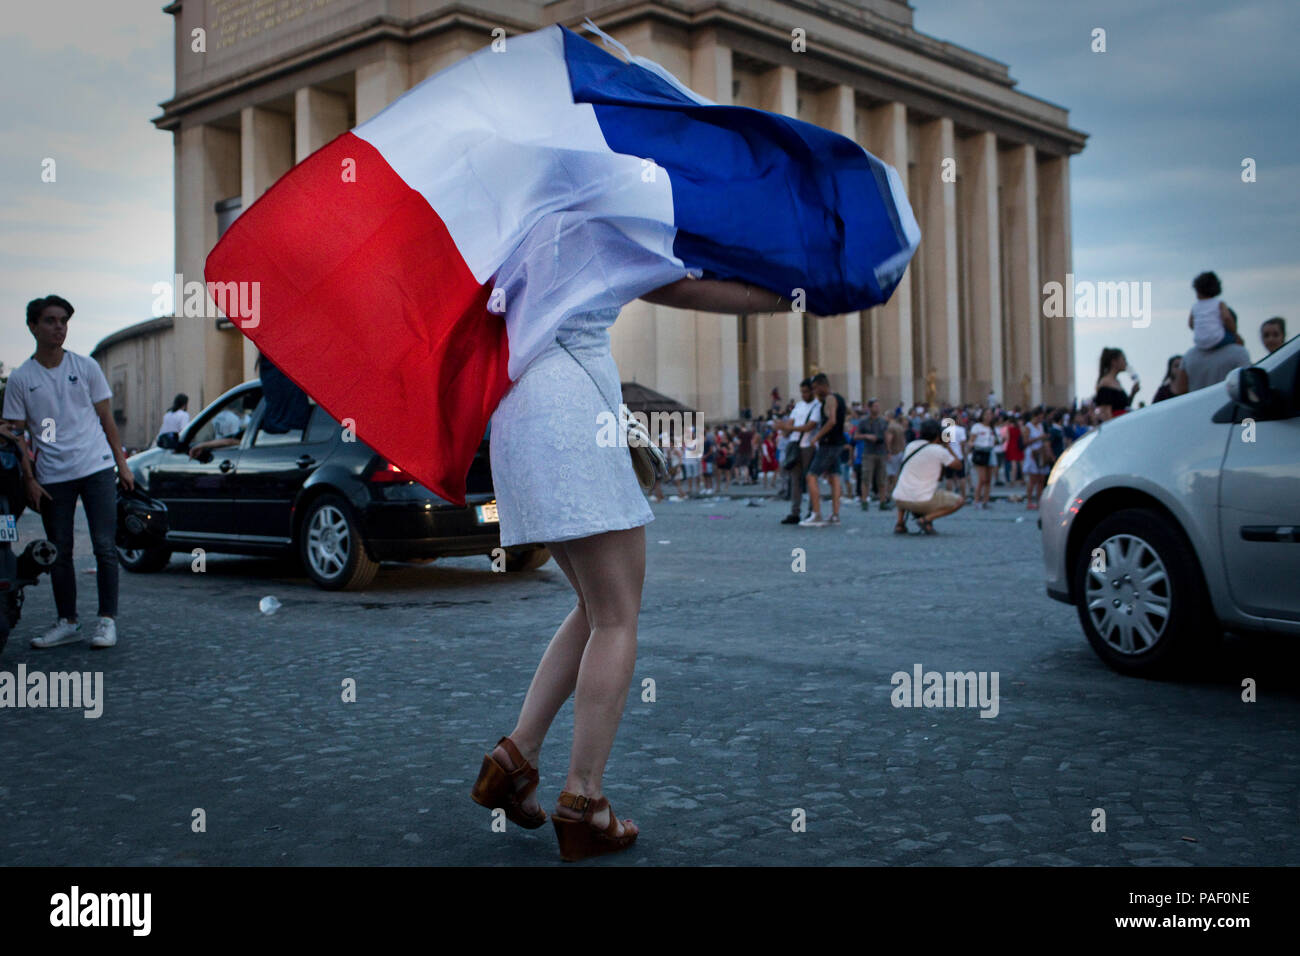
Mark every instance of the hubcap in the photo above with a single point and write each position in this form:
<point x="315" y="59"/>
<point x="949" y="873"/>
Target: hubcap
<point x="328" y="542"/>
<point x="1129" y="602"/>
<point x="130" y="554"/>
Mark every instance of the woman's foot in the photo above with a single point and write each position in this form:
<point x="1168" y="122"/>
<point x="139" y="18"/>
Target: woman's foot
<point x="599" y="819"/>
<point x="528" y="803"/>
<point x="586" y="826"/>
<point x="508" y="780"/>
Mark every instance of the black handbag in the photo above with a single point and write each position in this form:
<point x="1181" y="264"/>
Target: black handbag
<point x="790" y="455"/>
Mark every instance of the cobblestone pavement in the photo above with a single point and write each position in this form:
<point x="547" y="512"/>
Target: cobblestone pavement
<point x="772" y="694"/>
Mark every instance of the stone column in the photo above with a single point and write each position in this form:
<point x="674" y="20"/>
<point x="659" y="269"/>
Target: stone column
<point x="632" y="342"/>
<point x="265" y="154"/>
<point x="779" y="353"/>
<point x="887" y="139"/>
<point x="318" y="117"/>
<point x="978" y="170"/>
<point x="938" y="220"/>
<point x="381" y="81"/>
<point x="839" y="342"/>
<point x="717" y="355"/>
<point x="1017" y="171"/>
<point x="690" y="356"/>
<point x="1054" y="228"/>
<point x="207" y="360"/>
<point x="781" y="358"/>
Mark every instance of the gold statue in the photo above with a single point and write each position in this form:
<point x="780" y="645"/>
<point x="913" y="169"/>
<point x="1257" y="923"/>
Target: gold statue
<point x="1025" y="382"/>
<point x="931" y="389"/>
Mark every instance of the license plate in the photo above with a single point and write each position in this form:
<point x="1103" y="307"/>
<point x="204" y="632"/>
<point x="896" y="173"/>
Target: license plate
<point x="487" y="514"/>
<point x="9" y="527"/>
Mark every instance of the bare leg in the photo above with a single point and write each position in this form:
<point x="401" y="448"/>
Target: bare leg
<point x="611" y="571"/>
<point x="814" y="496"/>
<point x="554" y="681"/>
<point x="835" y="493"/>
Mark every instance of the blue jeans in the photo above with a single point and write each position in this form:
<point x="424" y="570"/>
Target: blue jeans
<point x="98" y="494"/>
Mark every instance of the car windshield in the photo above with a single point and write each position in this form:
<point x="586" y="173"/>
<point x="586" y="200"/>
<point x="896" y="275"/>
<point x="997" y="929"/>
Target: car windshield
<point x="227" y="420"/>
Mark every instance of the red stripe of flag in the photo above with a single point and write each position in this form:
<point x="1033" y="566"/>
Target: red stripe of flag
<point x="367" y="304"/>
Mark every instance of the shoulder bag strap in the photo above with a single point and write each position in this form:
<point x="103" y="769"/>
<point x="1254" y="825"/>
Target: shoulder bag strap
<point x="904" y="462"/>
<point x="600" y="390"/>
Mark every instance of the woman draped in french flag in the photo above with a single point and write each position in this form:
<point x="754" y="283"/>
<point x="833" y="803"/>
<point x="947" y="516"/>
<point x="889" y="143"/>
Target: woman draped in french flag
<point x="458" y="259"/>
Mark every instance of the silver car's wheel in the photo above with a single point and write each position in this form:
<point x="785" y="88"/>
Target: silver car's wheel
<point x="1140" y="593"/>
<point x="1128" y="594"/>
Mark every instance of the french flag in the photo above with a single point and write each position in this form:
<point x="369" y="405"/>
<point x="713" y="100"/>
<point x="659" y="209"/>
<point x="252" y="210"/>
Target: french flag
<point x="410" y="269"/>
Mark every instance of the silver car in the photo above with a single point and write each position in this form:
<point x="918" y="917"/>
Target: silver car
<point x="1171" y="524"/>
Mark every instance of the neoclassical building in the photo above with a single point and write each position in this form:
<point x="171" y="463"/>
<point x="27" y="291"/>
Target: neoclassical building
<point x="261" y="84"/>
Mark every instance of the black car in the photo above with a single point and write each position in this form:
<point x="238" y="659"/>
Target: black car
<point x="316" y="491"/>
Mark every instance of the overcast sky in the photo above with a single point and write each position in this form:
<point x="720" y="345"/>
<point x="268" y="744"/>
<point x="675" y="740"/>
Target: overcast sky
<point x="1184" y="92"/>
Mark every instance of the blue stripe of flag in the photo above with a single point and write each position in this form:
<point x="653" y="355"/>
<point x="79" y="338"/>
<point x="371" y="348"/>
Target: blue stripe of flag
<point x="757" y="196"/>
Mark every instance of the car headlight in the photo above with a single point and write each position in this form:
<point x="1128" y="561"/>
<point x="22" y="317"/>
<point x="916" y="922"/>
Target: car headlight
<point x="1070" y="456"/>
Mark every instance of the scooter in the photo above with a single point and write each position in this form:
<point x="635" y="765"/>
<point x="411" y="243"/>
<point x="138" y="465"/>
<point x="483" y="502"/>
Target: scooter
<point x="17" y="571"/>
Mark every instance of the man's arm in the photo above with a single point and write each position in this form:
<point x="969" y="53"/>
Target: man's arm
<point x="717" y="295"/>
<point x="35" y="491"/>
<point x="110" y="432"/>
<point x="831" y="414"/>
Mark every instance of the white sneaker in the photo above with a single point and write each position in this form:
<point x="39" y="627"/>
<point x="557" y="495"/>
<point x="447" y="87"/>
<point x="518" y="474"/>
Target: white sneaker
<point x="105" y="633"/>
<point x="65" y="632"/>
<point x="813" y="521"/>
<point x="835" y="519"/>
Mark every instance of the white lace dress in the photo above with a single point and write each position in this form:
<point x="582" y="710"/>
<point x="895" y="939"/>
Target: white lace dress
<point x="554" y="481"/>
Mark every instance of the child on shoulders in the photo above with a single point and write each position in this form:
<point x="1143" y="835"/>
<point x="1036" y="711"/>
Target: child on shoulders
<point x="1213" y="324"/>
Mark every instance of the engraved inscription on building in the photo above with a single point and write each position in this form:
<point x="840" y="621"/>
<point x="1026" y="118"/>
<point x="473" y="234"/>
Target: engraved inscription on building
<point x="232" y="22"/>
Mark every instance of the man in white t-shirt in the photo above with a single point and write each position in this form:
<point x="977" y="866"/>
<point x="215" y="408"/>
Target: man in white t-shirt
<point x="61" y="399"/>
<point x="918" y="491"/>
<point x="803" y="421"/>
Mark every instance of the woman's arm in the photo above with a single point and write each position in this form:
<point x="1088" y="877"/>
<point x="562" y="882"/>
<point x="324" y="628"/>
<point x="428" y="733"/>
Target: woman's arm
<point x="717" y="295"/>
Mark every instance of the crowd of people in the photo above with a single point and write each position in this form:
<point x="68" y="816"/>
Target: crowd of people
<point x="928" y="461"/>
<point x="802" y="447"/>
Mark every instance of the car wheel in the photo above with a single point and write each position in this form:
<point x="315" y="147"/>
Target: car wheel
<point x="329" y="542"/>
<point x="1140" y="595"/>
<point x="528" y="560"/>
<point x="144" y="560"/>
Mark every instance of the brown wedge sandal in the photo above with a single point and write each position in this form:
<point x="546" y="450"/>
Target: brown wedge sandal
<point x="496" y="787"/>
<point x="580" y="839"/>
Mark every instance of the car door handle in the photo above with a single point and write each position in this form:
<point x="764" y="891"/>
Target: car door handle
<point x="306" y="461"/>
<point x="226" y="465"/>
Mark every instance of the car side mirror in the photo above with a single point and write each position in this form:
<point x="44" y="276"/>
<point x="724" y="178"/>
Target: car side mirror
<point x="1249" y="388"/>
